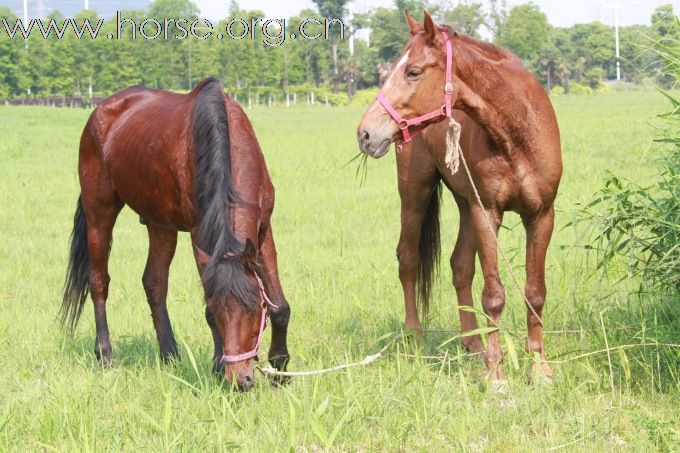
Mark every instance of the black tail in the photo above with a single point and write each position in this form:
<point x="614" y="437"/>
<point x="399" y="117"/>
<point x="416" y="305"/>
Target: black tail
<point x="76" y="287"/>
<point x="224" y="274"/>
<point x="429" y="248"/>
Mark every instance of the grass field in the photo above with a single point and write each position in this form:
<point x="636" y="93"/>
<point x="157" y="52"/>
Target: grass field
<point x="336" y="240"/>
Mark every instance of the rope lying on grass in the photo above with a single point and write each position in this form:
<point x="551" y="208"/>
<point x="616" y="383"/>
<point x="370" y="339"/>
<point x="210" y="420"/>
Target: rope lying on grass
<point x="367" y="360"/>
<point x="446" y="357"/>
<point x="269" y="371"/>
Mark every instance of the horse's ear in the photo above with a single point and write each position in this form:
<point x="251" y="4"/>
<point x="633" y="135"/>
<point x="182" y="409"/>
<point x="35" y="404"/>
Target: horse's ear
<point x="431" y="29"/>
<point x="413" y="24"/>
<point x="202" y="257"/>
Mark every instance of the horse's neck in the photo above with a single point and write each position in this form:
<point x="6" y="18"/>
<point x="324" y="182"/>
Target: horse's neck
<point x="485" y="96"/>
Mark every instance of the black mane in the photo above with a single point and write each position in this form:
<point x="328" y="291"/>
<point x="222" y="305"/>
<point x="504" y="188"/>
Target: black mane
<point x="224" y="274"/>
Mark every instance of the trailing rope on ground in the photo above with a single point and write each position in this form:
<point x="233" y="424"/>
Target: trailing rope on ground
<point x="366" y="360"/>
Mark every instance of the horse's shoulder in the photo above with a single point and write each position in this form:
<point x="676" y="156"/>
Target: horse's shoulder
<point x="111" y="109"/>
<point x="120" y="101"/>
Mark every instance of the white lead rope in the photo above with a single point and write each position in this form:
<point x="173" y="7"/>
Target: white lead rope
<point x="367" y="360"/>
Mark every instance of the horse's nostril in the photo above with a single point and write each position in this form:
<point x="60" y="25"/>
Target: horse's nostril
<point x="247" y="382"/>
<point x="364" y="135"/>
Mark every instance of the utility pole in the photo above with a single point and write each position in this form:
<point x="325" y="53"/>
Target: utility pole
<point x="616" y="31"/>
<point x="87" y="4"/>
<point x="25" y="12"/>
<point x="615" y="7"/>
<point x="350" y="16"/>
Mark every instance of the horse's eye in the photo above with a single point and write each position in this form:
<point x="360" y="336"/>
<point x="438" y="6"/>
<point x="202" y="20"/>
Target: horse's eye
<point x="414" y="74"/>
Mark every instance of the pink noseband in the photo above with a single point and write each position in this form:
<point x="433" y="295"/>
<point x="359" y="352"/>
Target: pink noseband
<point x="443" y="112"/>
<point x="264" y="304"/>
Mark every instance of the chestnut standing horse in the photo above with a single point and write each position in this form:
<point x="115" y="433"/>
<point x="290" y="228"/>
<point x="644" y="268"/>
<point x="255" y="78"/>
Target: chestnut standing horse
<point x="511" y="142"/>
<point x="183" y="163"/>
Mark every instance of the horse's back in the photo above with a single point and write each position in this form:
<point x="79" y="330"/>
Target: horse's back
<point x="143" y="137"/>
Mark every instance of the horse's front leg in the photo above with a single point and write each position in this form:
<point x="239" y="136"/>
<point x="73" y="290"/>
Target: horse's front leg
<point x="485" y="223"/>
<point x="280" y="314"/>
<point x="218" y="366"/>
<point x="417" y="182"/>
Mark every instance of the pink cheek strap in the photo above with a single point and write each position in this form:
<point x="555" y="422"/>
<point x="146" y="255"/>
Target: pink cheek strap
<point x="443" y="112"/>
<point x="264" y="304"/>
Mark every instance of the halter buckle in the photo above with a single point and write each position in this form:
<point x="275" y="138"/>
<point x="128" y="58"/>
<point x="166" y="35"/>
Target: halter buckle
<point x="448" y="88"/>
<point x="403" y="124"/>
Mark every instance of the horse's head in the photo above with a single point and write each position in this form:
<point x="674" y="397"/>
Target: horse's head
<point x="239" y="321"/>
<point x="415" y="87"/>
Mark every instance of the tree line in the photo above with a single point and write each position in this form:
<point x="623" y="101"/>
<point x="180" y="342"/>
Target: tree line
<point x="581" y="56"/>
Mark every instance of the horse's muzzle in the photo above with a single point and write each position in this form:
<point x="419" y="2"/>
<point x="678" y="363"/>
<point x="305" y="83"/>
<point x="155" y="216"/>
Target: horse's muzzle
<point x="369" y="145"/>
<point x="243" y="378"/>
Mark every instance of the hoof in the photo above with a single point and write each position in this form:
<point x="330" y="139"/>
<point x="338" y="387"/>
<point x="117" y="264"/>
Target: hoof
<point x="474" y="347"/>
<point x="499" y="387"/>
<point x="544" y="379"/>
<point x="170" y="355"/>
<point x="278" y="381"/>
<point x="280" y="363"/>
<point x="414" y="333"/>
<point x="103" y="355"/>
<point x="543" y="376"/>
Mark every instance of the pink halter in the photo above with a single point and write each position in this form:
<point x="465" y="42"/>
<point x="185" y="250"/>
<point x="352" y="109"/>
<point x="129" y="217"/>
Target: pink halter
<point x="444" y="111"/>
<point x="264" y="302"/>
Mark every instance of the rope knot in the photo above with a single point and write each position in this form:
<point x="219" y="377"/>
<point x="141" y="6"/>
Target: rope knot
<point x="452" y="159"/>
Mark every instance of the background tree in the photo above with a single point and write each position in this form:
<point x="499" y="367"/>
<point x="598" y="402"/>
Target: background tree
<point x="333" y="9"/>
<point x="251" y="69"/>
<point x="525" y="31"/>
<point x="467" y="18"/>
<point x="498" y="14"/>
<point x="10" y="60"/>
<point x="178" y="53"/>
<point x="665" y="23"/>
<point x="666" y="35"/>
<point x="389" y="33"/>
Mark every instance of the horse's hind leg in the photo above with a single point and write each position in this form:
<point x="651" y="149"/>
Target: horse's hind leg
<point x="101" y="206"/>
<point x="279" y="315"/>
<point x="539" y="230"/>
<point x="162" y="245"/>
<point x="463" y="269"/>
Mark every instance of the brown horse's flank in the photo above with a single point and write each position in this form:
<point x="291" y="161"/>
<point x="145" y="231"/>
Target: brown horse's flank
<point x="182" y="162"/>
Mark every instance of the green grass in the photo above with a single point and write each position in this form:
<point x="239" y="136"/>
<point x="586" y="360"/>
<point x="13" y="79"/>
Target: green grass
<point x="336" y="240"/>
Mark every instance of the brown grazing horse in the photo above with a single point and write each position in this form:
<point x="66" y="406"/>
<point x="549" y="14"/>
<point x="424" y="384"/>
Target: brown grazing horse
<point x="183" y="163"/>
<point x="511" y="142"/>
